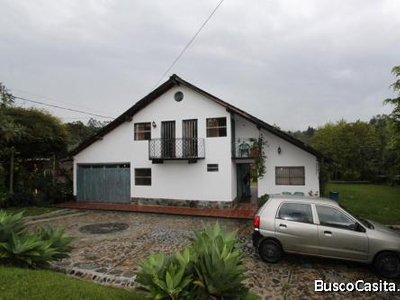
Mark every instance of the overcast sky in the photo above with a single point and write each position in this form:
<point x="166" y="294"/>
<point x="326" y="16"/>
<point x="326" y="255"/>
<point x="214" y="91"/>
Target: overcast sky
<point x="291" y="63"/>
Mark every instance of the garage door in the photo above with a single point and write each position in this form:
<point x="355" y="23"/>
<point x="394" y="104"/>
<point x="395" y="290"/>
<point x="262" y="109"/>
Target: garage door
<point x="103" y="183"/>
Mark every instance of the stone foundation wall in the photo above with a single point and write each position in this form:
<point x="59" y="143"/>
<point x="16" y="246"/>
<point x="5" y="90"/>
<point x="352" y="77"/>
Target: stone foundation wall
<point x="185" y="203"/>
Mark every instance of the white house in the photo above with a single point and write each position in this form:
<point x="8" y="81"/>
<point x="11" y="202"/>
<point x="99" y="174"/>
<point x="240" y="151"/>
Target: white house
<point x="180" y="145"/>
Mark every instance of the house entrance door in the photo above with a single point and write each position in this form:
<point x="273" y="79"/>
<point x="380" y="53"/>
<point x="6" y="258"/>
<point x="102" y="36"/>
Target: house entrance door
<point x="246" y="188"/>
<point x="189" y="134"/>
<point x="168" y="139"/>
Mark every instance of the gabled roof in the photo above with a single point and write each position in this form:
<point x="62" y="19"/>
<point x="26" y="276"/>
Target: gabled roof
<point x="173" y="81"/>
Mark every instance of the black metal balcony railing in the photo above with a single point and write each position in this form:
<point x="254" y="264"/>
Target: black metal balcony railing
<point x="176" y="149"/>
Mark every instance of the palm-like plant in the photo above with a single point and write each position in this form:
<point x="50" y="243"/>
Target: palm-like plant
<point x="19" y="247"/>
<point x="10" y="224"/>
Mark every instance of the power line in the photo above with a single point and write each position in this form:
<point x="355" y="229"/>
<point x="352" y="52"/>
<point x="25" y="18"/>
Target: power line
<point x="189" y="43"/>
<point x="49" y="98"/>
<point x="64" y="108"/>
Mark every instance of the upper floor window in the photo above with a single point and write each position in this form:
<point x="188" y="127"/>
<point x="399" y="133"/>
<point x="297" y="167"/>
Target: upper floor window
<point x="216" y="127"/>
<point x="290" y="176"/>
<point x="142" y="131"/>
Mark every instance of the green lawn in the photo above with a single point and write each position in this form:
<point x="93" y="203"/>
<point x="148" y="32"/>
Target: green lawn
<point x="31" y="210"/>
<point x="16" y="283"/>
<point x="380" y="203"/>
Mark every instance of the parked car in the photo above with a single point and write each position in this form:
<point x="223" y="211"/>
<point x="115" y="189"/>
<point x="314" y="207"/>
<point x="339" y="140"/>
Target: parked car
<point x="320" y="227"/>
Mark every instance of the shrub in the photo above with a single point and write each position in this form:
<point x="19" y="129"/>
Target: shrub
<point x="217" y="261"/>
<point x="18" y="247"/>
<point x="261" y="200"/>
<point x="3" y="199"/>
<point x="52" y="194"/>
<point x="167" y="277"/>
<point x="21" y="199"/>
<point x="10" y="224"/>
<point x="58" y="239"/>
<point x="210" y="268"/>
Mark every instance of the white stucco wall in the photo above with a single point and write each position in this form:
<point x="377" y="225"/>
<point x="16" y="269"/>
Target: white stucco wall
<point x="291" y="156"/>
<point x="183" y="181"/>
<point x="172" y="179"/>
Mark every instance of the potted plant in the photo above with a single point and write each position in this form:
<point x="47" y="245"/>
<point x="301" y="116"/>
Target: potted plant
<point x="254" y="149"/>
<point x="259" y="155"/>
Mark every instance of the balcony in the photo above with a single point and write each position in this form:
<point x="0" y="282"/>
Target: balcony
<point x="189" y="149"/>
<point x="245" y="148"/>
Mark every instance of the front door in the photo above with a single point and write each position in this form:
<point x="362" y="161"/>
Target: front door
<point x="168" y="139"/>
<point x="189" y="135"/>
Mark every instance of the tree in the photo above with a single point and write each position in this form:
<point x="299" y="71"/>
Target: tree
<point x="8" y="129"/>
<point x="28" y="161"/>
<point x="353" y="147"/>
<point x="6" y="98"/>
<point x="394" y="143"/>
<point x="303" y="136"/>
<point x="78" y="132"/>
<point x="44" y="135"/>
<point x="395" y="101"/>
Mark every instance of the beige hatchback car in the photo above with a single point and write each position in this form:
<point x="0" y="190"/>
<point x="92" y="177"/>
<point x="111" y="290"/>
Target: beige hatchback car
<point x="320" y="227"/>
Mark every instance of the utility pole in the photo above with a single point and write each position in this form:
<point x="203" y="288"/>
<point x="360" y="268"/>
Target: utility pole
<point x="12" y="171"/>
<point x="54" y="170"/>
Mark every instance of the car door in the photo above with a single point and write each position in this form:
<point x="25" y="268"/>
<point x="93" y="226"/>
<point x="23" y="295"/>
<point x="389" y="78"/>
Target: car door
<point x="295" y="228"/>
<point x="340" y="236"/>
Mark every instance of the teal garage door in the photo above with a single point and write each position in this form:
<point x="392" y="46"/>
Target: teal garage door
<point x="108" y="183"/>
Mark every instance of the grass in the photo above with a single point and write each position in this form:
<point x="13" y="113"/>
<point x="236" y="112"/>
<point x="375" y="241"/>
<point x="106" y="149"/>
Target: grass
<point x="31" y="210"/>
<point x="16" y="283"/>
<point x="379" y="203"/>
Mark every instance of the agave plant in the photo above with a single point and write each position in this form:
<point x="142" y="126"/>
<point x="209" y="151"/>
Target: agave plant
<point x="26" y="250"/>
<point x="36" y="250"/>
<point x="210" y="268"/>
<point x="58" y="239"/>
<point x="219" y="271"/>
<point x="167" y="277"/>
<point x="10" y="224"/>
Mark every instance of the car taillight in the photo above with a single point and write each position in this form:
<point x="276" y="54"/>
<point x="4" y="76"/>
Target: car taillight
<point x="256" y="222"/>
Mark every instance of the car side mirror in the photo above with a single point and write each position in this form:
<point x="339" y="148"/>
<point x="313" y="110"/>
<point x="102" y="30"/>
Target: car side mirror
<point x="356" y="227"/>
<point x="353" y="227"/>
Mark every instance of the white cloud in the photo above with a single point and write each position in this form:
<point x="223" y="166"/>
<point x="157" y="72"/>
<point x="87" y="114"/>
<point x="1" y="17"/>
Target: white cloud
<point x="291" y="63"/>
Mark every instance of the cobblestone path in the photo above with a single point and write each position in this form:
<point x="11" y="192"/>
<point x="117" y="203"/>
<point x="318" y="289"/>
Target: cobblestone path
<point x="109" y="245"/>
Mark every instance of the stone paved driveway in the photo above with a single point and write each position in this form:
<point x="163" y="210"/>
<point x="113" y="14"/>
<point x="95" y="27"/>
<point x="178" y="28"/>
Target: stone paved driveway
<point x="109" y="245"/>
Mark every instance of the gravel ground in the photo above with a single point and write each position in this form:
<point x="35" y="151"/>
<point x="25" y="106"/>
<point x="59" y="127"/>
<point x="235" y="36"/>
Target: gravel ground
<point x="109" y="245"/>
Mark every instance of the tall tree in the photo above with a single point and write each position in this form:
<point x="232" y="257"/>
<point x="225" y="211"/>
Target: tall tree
<point x="44" y="135"/>
<point x="394" y="139"/>
<point x="388" y="154"/>
<point x="353" y="147"/>
<point x="8" y="129"/>
<point x="78" y="132"/>
<point x="395" y="101"/>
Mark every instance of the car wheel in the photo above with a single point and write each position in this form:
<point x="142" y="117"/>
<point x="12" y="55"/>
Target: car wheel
<point x="387" y="264"/>
<point x="270" y="251"/>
